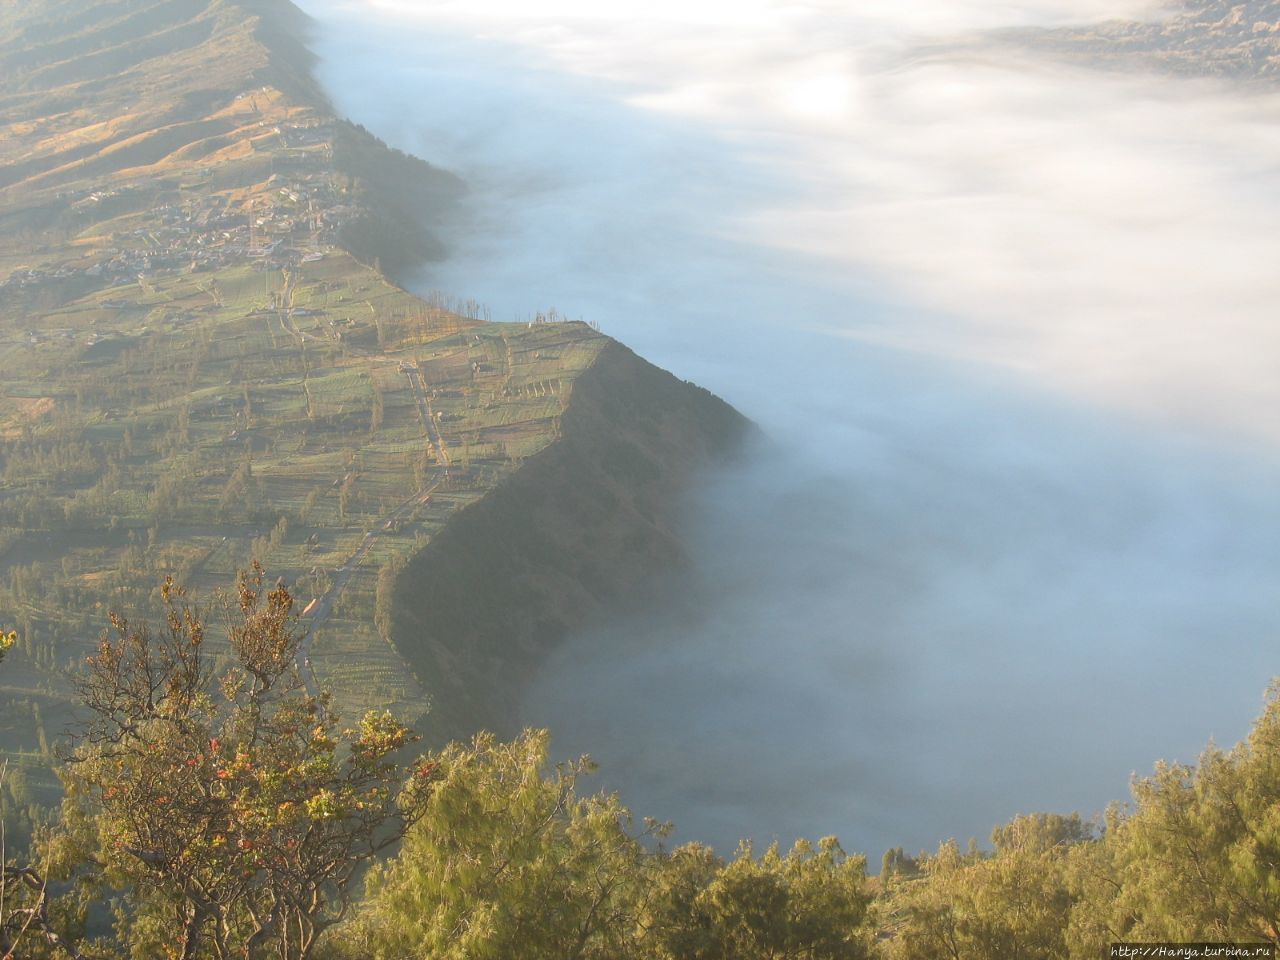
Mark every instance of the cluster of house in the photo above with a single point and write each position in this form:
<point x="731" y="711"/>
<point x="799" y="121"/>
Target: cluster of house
<point x="289" y="224"/>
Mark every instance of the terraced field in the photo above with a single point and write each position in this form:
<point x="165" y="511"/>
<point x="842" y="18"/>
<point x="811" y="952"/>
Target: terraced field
<point x="204" y="360"/>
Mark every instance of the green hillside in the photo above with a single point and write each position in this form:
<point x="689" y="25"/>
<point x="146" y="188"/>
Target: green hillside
<point x="205" y="359"/>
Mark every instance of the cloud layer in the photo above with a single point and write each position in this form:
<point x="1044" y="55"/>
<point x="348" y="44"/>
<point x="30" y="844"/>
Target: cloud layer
<point x="1008" y="325"/>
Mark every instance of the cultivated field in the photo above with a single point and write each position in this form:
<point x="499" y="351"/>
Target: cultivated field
<point x="203" y="359"/>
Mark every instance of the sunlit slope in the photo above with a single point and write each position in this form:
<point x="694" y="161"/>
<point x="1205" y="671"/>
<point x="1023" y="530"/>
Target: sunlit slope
<point x="205" y="361"/>
<point x="190" y="425"/>
<point x="197" y="369"/>
<point x="109" y="110"/>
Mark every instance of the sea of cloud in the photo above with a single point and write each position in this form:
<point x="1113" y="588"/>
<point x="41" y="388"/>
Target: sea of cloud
<point x="1008" y="325"/>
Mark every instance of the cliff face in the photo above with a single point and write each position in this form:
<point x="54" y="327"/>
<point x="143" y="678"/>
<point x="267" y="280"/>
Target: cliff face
<point x="574" y="532"/>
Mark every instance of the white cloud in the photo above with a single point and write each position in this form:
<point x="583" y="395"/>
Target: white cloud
<point x="1033" y="507"/>
<point x="1108" y="235"/>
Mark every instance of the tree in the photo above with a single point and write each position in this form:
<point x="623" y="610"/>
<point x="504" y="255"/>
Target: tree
<point x="1013" y="904"/>
<point x="29" y="916"/>
<point x="24" y="890"/>
<point x="507" y="860"/>
<point x="1198" y="858"/>
<point x="809" y="904"/>
<point x="235" y="814"/>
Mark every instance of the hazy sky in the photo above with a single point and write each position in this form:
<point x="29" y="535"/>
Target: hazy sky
<point x="1009" y="324"/>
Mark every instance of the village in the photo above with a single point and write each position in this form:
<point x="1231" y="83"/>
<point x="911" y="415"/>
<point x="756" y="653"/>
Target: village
<point x="288" y="219"/>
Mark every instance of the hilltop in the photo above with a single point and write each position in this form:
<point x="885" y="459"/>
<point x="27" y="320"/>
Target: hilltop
<point x="208" y="357"/>
<point x="1207" y="38"/>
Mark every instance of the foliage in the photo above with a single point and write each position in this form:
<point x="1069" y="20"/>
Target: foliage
<point x="233" y="814"/>
<point x="507" y="861"/>
<point x="1193" y="858"/>
<point x="1013" y="904"/>
<point x="229" y="815"/>
<point x="807" y="905"/>
<point x="25" y="903"/>
<point x="1199" y="858"/>
<point x="30" y="917"/>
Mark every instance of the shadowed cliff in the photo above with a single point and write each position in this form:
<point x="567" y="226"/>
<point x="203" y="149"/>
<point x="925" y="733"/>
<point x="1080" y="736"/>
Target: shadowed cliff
<point x="577" y="531"/>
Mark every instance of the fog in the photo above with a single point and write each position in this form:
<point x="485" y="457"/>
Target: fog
<point x="1007" y="325"/>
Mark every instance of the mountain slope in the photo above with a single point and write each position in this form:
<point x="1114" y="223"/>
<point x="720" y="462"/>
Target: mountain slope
<point x="206" y="358"/>
<point x="1211" y="38"/>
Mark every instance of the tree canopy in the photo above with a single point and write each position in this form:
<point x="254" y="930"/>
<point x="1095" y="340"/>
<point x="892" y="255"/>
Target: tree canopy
<point x="222" y="810"/>
<point x="232" y="810"/>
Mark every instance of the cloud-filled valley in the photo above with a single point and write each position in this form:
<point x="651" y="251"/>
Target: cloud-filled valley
<point x="1007" y="324"/>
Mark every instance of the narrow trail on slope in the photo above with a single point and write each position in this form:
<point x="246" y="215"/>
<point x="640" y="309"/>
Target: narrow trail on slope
<point x="324" y="606"/>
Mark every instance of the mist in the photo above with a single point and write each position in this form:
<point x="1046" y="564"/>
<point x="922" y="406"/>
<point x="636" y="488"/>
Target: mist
<point x="1007" y="327"/>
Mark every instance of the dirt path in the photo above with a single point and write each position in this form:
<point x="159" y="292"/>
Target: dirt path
<point x="324" y="606"/>
<point x="419" y="387"/>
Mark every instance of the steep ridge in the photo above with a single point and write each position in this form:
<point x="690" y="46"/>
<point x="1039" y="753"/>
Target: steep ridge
<point x="207" y="359"/>
<point x="579" y="530"/>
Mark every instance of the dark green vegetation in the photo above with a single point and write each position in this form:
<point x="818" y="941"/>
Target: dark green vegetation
<point x="223" y="811"/>
<point x="572" y="534"/>
<point x="205" y="359"/>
